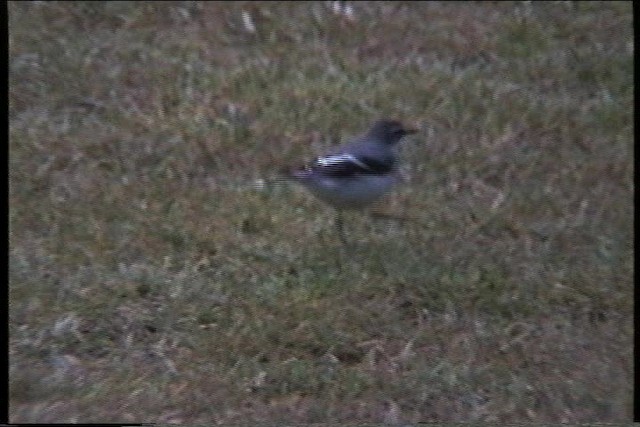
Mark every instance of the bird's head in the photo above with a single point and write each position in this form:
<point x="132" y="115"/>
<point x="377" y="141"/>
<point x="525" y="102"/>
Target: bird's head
<point x="389" y="131"/>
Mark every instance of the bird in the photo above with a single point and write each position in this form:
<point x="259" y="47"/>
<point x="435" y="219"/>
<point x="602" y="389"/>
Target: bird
<point x="357" y="173"/>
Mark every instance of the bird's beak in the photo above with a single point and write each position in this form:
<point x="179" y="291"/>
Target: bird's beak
<point x="410" y="131"/>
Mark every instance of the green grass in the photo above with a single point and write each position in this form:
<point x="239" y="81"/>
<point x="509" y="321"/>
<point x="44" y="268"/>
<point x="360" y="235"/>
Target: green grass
<point x="160" y="272"/>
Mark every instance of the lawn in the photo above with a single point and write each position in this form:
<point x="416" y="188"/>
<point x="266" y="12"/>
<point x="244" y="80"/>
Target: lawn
<point x="160" y="270"/>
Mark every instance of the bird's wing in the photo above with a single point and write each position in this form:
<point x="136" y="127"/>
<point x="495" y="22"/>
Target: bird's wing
<point x="347" y="164"/>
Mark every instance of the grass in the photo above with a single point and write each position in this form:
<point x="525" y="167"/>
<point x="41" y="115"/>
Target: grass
<point x="160" y="272"/>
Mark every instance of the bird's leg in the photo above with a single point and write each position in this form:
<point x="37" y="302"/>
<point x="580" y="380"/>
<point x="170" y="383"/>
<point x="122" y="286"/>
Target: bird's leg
<point x="340" y="227"/>
<point x="344" y="249"/>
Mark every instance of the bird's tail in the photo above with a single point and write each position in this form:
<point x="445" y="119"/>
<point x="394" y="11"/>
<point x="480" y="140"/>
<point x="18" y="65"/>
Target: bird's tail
<point x="297" y="174"/>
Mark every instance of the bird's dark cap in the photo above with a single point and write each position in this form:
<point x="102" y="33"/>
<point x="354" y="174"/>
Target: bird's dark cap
<point x="392" y="128"/>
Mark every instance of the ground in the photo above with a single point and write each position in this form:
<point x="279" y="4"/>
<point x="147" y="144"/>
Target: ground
<point x="161" y="271"/>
